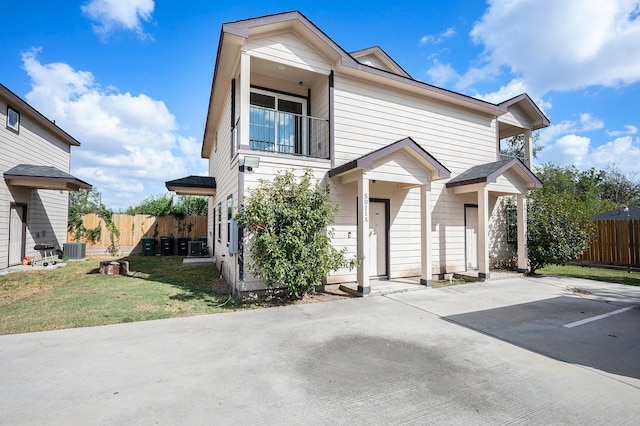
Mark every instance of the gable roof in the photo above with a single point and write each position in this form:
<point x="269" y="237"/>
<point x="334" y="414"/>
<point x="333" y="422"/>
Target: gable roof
<point x="408" y="144"/>
<point x="623" y="213"/>
<point x="43" y="177"/>
<point x="193" y="185"/>
<point x="23" y="107"/>
<point x="526" y="104"/>
<point x="382" y="56"/>
<point x="489" y="173"/>
<point x="234" y="34"/>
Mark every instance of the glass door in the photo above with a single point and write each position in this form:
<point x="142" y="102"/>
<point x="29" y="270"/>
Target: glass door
<point x="276" y="122"/>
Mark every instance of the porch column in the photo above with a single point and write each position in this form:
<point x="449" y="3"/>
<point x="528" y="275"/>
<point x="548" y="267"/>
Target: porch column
<point x="483" y="233"/>
<point x="363" y="235"/>
<point x="245" y="88"/>
<point x="426" y="274"/>
<point x="528" y="148"/>
<point x="522" y="233"/>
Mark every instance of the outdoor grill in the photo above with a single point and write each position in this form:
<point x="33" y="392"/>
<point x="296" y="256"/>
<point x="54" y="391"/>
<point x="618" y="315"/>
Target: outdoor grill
<point x="46" y="251"/>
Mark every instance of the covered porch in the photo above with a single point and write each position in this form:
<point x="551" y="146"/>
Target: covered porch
<point x="493" y="180"/>
<point x="400" y="167"/>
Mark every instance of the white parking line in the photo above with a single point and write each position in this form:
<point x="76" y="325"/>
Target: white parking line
<point x="599" y="317"/>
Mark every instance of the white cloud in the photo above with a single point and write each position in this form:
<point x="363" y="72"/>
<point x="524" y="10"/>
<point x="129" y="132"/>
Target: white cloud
<point x="441" y="74"/>
<point x="586" y="123"/>
<point x="569" y="149"/>
<point x="624" y="152"/>
<point x="547" y="45"/>
<point x="112" y="15"/>
<point x="130" y="143"/>
<point x="577" y="150"/>
<point x="629" y="129"/>
<point x="436" y="39"/>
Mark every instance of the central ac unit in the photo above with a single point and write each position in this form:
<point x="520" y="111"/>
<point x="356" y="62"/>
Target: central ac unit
<point x="75" y="251"/>
<point x="195" y="248"/>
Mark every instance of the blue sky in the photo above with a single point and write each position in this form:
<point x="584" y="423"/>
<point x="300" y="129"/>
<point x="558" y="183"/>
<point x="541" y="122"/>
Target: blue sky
<point x="130" y="79"/>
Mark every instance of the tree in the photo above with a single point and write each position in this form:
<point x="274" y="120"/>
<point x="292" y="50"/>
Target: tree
<point x="514" y="146"/>
<point x="587" y="186"/>
<point x="83" y="202"/>
<point x="168" y="205"/>
<point x="290" y="243"/>
<point x="87" y="201"/>
<point x="558" y="228"/>
<point x="621" y="189"/>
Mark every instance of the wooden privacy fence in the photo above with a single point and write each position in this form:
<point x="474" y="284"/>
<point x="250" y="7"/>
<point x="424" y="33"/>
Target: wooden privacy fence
<point x="133" y="228"/>
<point x="616" y="243"/>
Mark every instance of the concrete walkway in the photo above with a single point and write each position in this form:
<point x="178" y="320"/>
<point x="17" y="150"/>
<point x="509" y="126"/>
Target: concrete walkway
<point x="483" y="353"/>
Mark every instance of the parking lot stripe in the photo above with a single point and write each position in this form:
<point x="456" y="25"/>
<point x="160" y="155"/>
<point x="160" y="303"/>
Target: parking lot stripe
<point x="599" y="317"/>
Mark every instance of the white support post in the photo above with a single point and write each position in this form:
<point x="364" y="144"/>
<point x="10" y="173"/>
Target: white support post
<point x="528" y="148"/>
<point x="483" y="233"/>
<point x="364" y="287"/>
<point x="245" y="88"/>
<point x="426" y="274"/>
<point x="522" y="233"/>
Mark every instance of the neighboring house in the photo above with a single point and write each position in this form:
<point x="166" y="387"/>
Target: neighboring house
<point x="416" y="169"/>
<point x="34" y="164"/>
<point x="623" y="213"/>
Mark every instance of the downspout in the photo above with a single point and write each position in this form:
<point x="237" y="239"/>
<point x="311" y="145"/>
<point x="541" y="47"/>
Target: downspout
<point x="331" y="120"/>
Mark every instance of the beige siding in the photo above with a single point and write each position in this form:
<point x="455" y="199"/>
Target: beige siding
<point x="516" y="117"/>
<point x="270" y="166"/>
<point x="224" y="169"/>
<point x="287" y="49"/>
<point x="369" y="117"/>
<point x="46" y="210"/>
<point x="508" y="182"/>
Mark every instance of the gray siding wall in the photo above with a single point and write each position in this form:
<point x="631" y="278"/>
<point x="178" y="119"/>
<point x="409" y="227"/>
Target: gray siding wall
<point x="47" y="210"/>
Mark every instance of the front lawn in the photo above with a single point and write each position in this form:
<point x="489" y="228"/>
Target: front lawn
<point x="618" y="276"/>
<point x="76" y="295"/>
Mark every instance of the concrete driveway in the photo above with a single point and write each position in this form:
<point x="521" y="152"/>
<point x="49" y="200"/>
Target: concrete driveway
<point x="487" y="353"/>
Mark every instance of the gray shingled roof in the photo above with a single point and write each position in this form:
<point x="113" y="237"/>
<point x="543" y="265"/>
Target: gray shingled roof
<point x="30" y="172"/>
<point x="489" y="172"/>
<point x="193" y="182"/>
<point x="632" y="212"/>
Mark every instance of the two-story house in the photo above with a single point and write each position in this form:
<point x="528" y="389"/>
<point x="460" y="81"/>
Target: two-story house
<point x="416" y="169"/>
<point x="34" y="189"/>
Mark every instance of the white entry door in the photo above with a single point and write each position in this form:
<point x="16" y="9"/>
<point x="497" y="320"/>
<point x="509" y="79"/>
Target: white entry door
<point x="377" y="239"/>
<point x="16" y="235"/>
<point x="471" y="237"/>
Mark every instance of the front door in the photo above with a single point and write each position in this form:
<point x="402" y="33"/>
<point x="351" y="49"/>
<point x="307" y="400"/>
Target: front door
<point x="471" y="237"/>
<point x="16" y="235"/>
<point x="378" y="238"/>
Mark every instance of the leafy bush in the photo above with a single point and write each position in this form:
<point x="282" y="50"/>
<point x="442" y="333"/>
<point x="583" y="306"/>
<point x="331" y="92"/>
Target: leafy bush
<point x="287" y="222"/>
<point x="558" y="229"/>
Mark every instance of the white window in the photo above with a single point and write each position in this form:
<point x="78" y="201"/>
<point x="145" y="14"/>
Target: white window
<point x="13" y="119"/>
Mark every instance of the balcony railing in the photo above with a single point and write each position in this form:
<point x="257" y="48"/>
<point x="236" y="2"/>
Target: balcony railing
<point x="288" y="133"/>
<point x="522" y="157"/>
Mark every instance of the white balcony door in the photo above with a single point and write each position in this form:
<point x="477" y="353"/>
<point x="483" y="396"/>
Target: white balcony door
<point x="276" y="123"/>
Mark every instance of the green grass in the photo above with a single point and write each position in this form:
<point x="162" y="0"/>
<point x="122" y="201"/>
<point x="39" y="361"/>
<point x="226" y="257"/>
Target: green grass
<point x="78" y="296"/>
<point x="618" y="276"/>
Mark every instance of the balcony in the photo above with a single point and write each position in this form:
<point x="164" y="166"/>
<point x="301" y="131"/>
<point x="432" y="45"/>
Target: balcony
<point x="288" y="133"/>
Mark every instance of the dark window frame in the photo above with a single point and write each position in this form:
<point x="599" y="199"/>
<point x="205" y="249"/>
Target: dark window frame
<point x="12" y="111"/>
<point x="229" y="217"/>
<point x="220" y="222"/>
